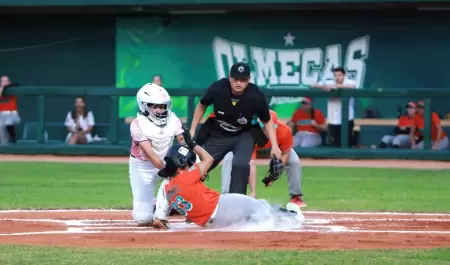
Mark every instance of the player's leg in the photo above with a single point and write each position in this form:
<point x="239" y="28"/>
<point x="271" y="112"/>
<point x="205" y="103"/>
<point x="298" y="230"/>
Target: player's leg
<point x="386" y="141"/>
<point x="401" y="141"/>
<point x="334" y="132"/>
<point x="419" y="145"/>
<point x="162" y="208"/>
<point x="227" y="164"/>
<point x="298" y="138"/>
<point x="311" y="140"/>
<point x="143" y="180"/>
<point x="443" y="144"/>
<point x="294" y="176"/>
<point x="242" y="153"/>
<point x="252" y="178"/>
<point x="218" y="146"/>
<point x="3" y="133"/>
<point x="239" y="209"/>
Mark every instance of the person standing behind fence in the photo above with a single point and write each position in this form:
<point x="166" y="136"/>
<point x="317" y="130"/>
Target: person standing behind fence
<point x="334" y="116"/>
<point x="308" y="122"/>
<point x="237" y="103"/>
<point x="9" y="115"/>
<point x="400" y="139"/>
<point x="79" y="122"/>
<point x="439" y="140"/>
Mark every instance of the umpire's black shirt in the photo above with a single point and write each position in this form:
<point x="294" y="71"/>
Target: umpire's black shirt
<point x="235" y="114"/>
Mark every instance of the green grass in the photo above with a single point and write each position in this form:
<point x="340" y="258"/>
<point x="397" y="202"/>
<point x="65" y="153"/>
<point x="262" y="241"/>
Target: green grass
<point x="64" y="185"/>
<point x="12" y="255"/>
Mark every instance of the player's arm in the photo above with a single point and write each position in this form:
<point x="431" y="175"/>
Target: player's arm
<point x="437" y="122"/>
<point x="200" y="109"/>
<point x="412" y="137"/>
<point x="320" y="122"/>
<point x="264" y="116"/>
<point x="206" y="160"/>
<point x="180" y="139"/>
<point x="145" y="145"/>
<point x="147" y="149"/>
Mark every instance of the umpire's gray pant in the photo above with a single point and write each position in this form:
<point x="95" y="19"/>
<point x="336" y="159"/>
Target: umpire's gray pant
<point x="293" y="172"/>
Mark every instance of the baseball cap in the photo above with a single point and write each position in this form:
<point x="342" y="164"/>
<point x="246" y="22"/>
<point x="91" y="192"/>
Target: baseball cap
<point x="240" y="70"/>
<point x="307" y="100"/>
<point x="420" y="104"/>
<point x="411" y="105"/>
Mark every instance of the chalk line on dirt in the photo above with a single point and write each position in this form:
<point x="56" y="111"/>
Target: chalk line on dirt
<point x="305" y="212"/>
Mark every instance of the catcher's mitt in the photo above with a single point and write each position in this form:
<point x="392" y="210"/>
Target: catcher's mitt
<point x="275" y="170"/>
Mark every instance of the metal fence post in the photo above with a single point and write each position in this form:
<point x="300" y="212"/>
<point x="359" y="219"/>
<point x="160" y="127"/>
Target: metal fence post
<point x="427" y="125"/>
<point x="114" y="119"/>
<point x="40" y="126"/>
<point x="344" y="122"/>
<point x="190" y="110"/>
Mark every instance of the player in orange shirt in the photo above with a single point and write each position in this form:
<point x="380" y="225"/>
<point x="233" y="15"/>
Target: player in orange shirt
<point x="288" y="156"/>
<point x="309" y="122"/>
<point x="9" y="116"/>
<point x="439" y="140"/>
<point x="203" y="206"/>
<point x="402" y="131"/>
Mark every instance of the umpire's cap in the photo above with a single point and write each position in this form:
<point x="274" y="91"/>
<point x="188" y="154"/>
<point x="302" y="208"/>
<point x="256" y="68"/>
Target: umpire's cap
<point x="240" y="70"/>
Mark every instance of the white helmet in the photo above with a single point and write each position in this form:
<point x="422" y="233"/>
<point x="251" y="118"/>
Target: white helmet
<point x="149" y="96"/>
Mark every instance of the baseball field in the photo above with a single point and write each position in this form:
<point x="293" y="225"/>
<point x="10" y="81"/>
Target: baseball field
<point x="74" y="210"/>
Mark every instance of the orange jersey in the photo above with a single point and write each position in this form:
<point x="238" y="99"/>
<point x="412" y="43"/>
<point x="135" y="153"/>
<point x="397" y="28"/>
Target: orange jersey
<point x="419" y="121"/>
<point x="303" y="120"/>
<point x="405" y="122"/>
<point x="8" y="103"/>
<point x="189" y="196"/>
<point x="284" y="139"/>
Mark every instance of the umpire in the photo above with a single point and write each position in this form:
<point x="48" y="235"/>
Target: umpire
<point x="237" y="105"/>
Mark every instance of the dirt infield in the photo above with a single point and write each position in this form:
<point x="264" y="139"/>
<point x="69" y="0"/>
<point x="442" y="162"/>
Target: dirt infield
<point x="412" y="164"/>
<point x="321" y="230"/>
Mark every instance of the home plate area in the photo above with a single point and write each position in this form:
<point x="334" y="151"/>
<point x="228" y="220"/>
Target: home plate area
<point x="321" y="230"/>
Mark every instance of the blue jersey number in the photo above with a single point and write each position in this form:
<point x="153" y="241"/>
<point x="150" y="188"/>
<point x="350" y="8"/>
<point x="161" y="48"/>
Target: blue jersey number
<point x="181" y="205"/>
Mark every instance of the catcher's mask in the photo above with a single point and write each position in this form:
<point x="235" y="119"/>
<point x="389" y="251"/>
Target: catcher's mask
<point x="178" y="157"/>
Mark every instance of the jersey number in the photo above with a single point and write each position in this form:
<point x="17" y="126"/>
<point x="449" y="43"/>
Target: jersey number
<point x="181" y="205"/>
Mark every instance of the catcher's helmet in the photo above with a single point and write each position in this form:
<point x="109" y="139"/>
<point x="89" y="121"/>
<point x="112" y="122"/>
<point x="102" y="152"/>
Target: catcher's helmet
<point x="179" y="156"/>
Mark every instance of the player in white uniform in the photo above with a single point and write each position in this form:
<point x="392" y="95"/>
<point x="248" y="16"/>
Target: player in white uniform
<point x="152" y="134"/>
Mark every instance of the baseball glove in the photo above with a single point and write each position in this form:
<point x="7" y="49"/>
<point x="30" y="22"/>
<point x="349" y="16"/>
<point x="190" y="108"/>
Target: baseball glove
<point x="276" y="168"/>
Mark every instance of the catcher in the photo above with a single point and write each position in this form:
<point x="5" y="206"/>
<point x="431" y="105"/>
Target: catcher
<point x="289" y="159"/>
<point x="203" y="206"/>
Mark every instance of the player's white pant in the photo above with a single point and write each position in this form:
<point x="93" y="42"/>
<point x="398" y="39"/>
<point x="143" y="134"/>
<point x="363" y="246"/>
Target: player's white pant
<point x="143" y="177"/>
<point x="162" y="204"/>
<point x="237" y="209"/>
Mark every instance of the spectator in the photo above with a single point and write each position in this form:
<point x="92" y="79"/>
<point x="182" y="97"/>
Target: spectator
<point x="9" y="116"/>
<point x="79" y="123"/>
<point x="334" y="106"/>
<point x="308" y="122"/>
<point x="157" y="79"/>
<point x="439" y="140"/>
<point x="400" y="139"/>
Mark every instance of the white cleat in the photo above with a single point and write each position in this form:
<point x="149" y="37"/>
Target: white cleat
<point x="295" y="208"/>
